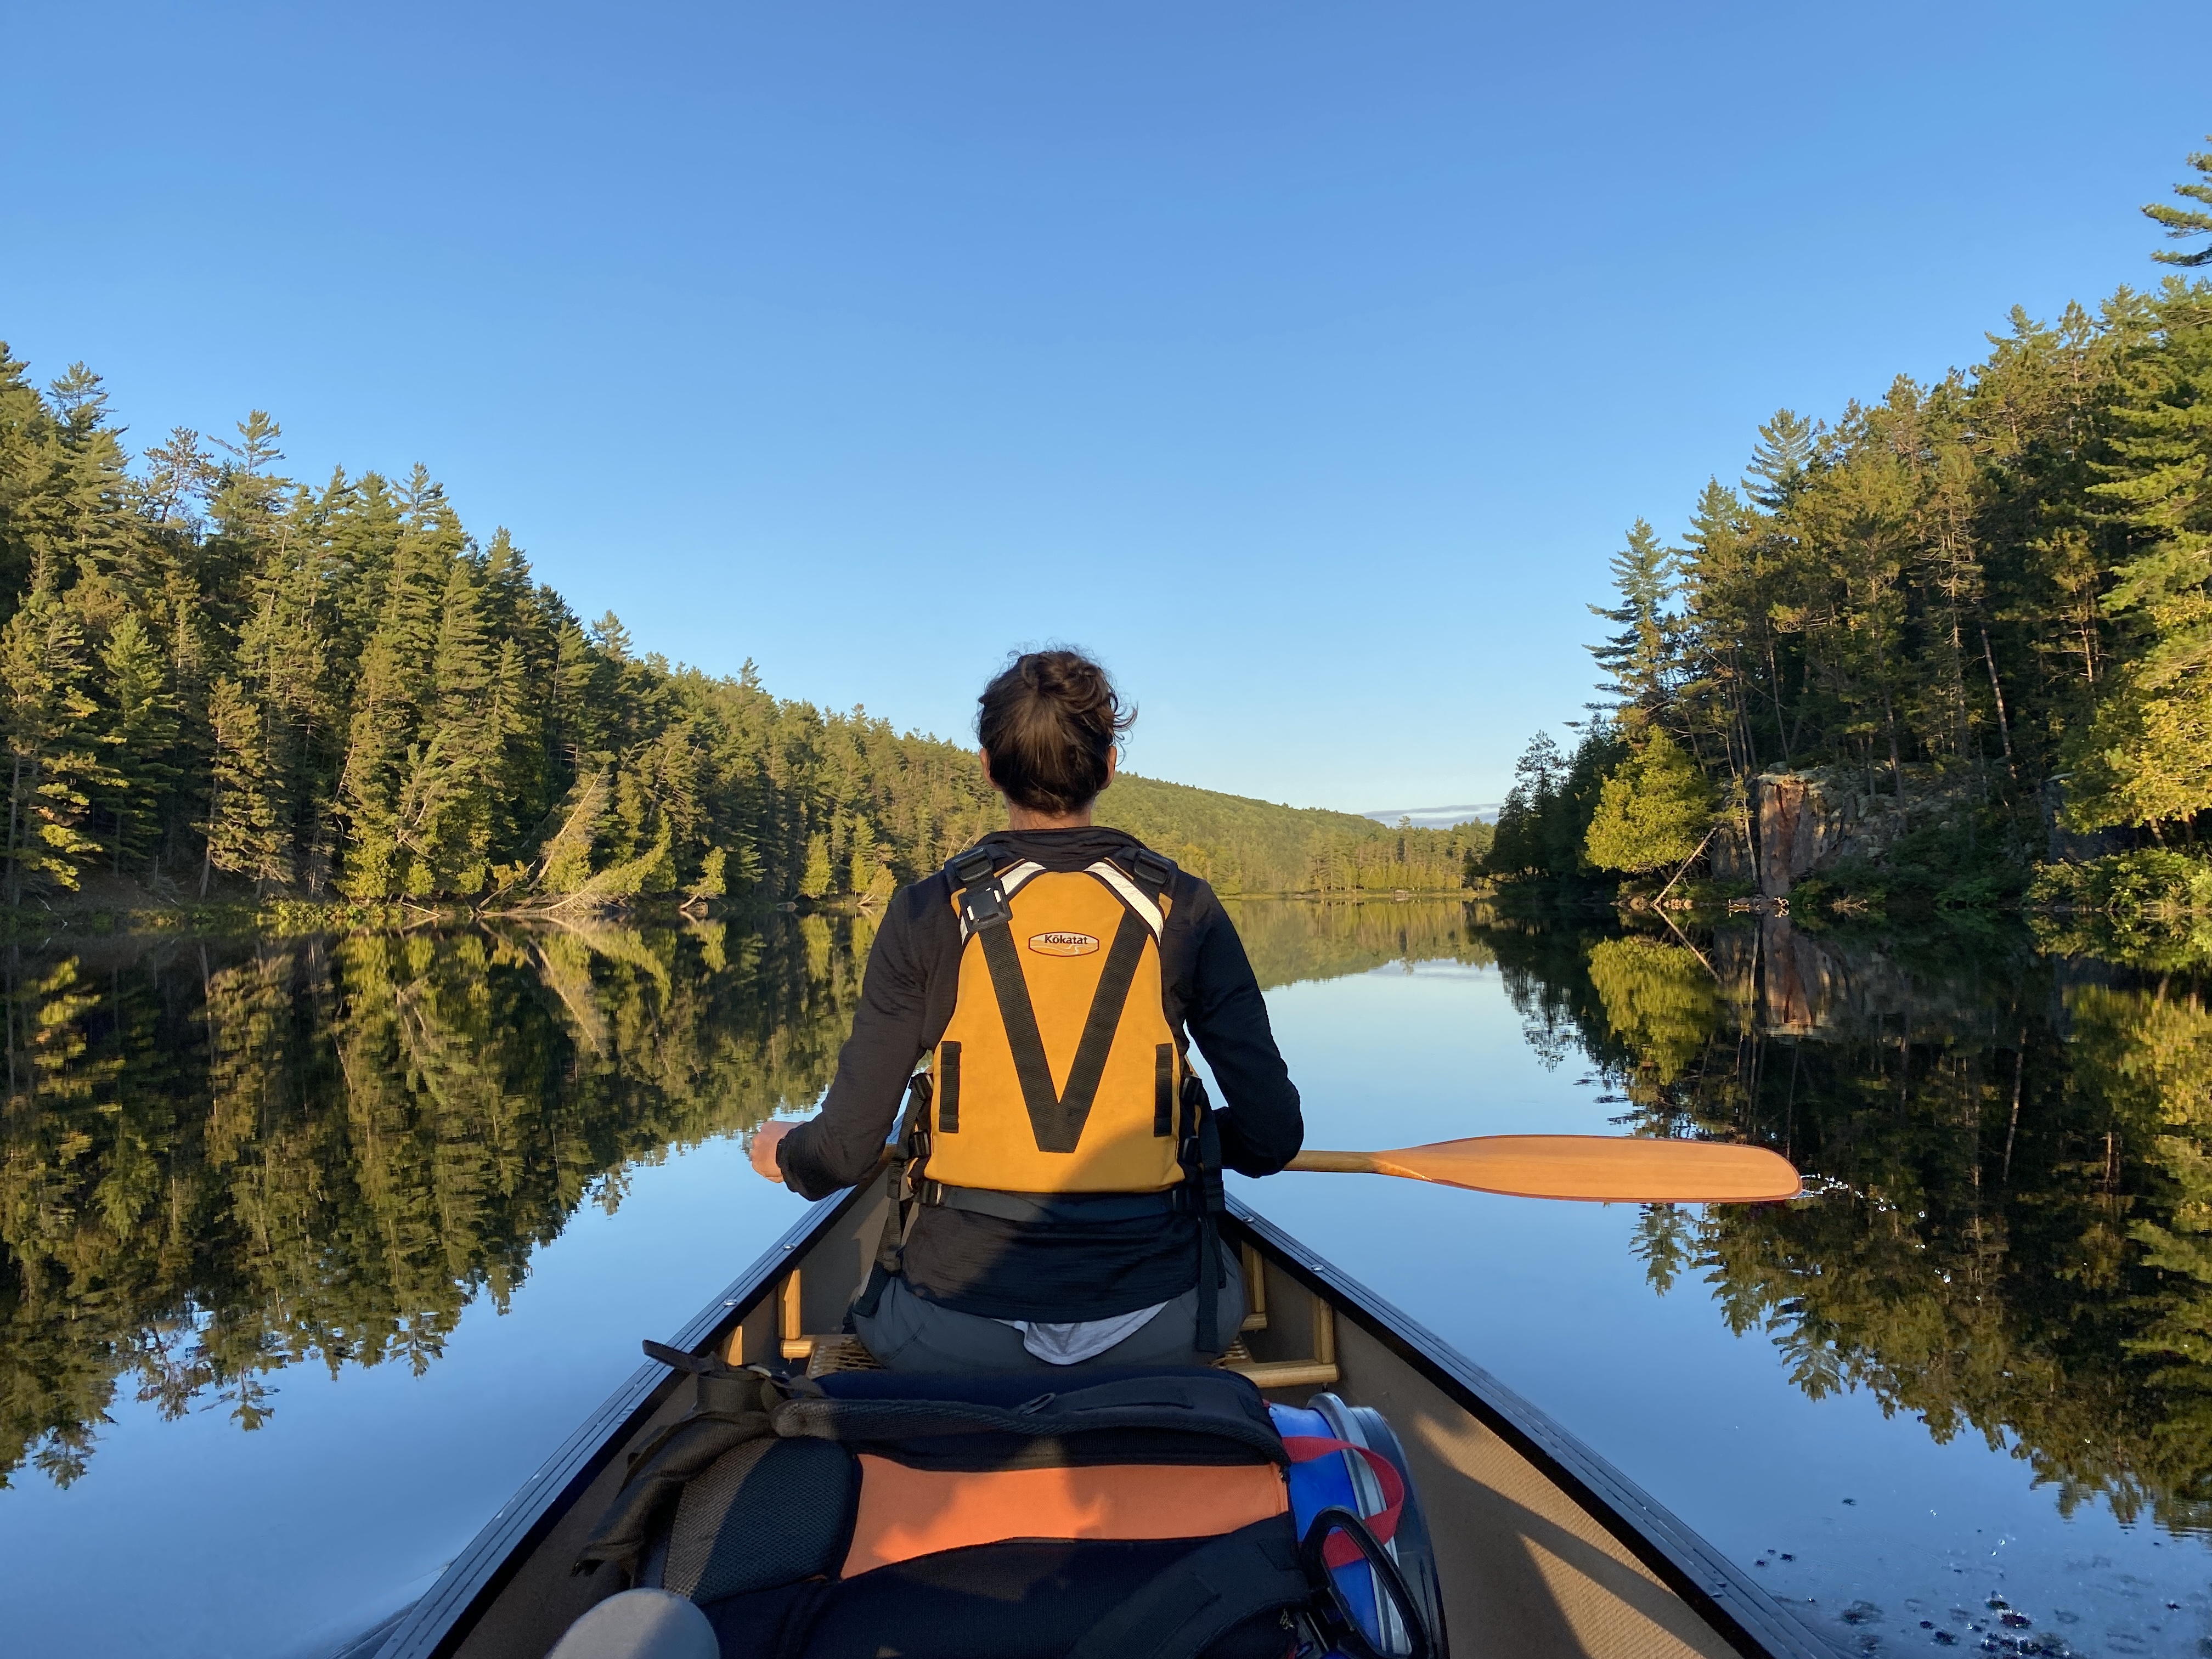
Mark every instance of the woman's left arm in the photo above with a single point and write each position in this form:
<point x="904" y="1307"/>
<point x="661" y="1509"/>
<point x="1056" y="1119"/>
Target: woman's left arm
<point x="1262" y="1127"/>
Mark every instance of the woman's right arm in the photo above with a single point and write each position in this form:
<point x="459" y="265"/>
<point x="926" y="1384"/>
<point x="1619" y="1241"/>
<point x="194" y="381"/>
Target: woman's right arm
<point x="840" y="1144"/>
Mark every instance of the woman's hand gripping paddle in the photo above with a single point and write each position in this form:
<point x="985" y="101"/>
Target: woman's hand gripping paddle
<point x="766" y="1140"/>
<point x="1606" y="1168"/>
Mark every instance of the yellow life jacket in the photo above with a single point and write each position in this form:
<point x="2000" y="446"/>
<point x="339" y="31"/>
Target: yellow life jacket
<point x="1059" y="1072"/>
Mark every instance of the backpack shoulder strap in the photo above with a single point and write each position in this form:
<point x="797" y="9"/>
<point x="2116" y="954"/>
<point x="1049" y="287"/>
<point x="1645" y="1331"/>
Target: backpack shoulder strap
<point x="1202" y="1597"/>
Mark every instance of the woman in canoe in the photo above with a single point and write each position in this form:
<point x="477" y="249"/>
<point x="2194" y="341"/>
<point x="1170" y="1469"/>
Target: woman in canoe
<point x="1066" y="1164"/>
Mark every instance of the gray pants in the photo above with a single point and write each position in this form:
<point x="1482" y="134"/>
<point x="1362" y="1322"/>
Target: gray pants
<point x="909" y="1334"/>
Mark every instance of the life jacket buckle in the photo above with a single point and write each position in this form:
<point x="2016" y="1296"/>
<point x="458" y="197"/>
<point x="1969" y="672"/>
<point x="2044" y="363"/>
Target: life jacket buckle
<point x="1152" y="870"/>
<point x="985" y="906"/>
<point x="971" y="866"/>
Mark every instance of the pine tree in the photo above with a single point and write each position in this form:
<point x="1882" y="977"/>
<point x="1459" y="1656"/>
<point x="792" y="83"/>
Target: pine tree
<point x="84" y="536"/>
<point x="391" y="783"/>
<point x="814" y="881"/>
<point x="450" y="808"/>
<point x="142" y="732"/>
<point x="1639" y="661"/>
<point x="2181" y="223"/>
<point x="45" y="715"/>
<point x="26" y="429"/>
<point x="564" y="861"/>
<point x="2147" y="756"/>
<point x="246" y="815"/>
<point x="1784" y="461"/>
<point x="1654" y="811"/>
<point x="1519" y="846"/>
<point x="180" y="475"/>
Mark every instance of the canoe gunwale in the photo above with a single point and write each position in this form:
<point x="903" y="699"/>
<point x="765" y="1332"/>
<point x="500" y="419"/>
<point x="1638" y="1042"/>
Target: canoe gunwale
<point x="449" y="1610"/>
<point x="1737" y="1607"/>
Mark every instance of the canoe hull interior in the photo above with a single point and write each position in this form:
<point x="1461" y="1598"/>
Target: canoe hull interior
<point x="1545" y="1552"/>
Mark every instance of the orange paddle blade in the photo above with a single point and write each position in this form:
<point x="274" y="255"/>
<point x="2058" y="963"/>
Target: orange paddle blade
<point x="1606" y="1168"/>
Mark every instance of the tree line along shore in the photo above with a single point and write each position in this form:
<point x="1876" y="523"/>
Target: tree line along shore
<point x="219" y="683"/>
<point x="1951" y="650"/>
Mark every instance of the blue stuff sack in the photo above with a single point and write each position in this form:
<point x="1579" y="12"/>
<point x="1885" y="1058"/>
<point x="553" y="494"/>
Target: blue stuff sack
<point x="1346" y="1465"/>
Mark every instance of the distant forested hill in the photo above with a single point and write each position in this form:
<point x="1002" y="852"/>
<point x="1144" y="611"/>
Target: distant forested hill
<point x="1244" y="846"/>
<point x="210" y="671"/>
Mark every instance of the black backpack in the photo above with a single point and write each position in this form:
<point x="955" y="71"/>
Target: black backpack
<point x="868" y="1513"/>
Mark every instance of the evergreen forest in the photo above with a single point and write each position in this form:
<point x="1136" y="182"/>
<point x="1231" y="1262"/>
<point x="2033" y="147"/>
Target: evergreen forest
<point x="1974" y="615"/>
<point x="217" y="682"/>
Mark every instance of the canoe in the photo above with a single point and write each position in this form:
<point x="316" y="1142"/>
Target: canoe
<point x="1544" y="1549"/>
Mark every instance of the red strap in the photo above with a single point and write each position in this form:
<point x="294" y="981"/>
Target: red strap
<point x="1339" y="1551"/>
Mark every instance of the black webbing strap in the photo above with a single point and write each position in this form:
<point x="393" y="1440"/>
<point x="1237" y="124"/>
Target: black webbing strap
<point x="948" y="1095"/>
<point x="1048" y="1209"/>
<point x="908" y="1153"/>
<point x="729" y="1409"/>
<point x="1201" y="1598"/>
<point x="1151" y="871"/>
<point x="1056" y="1119"/>
<point x="1148" y="1403"/>
<point x="1200" y="1156"/>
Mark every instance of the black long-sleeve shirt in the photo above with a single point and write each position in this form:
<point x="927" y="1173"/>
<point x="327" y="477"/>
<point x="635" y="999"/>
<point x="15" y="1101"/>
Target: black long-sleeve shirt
<point x="1061" y="1270"/>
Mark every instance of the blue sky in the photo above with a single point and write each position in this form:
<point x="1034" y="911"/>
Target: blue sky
<point x="1306" y="361"/>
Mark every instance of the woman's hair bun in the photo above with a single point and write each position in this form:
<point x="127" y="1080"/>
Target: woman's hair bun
<point x="1047" y="722"/>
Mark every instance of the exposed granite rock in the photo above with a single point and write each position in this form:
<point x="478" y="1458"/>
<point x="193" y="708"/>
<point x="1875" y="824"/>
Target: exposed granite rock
<point x="1808" y="821"/>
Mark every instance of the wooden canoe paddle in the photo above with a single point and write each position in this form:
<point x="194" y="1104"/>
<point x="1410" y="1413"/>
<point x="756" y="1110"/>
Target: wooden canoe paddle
<point x="1605" y="1168"/>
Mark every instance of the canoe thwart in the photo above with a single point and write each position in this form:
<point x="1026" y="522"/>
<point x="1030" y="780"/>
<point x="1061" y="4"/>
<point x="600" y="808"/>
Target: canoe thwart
<point x="790" y="1326"/>
<point x="1320" y="1372"/>
<point x="1255" y="1289"/>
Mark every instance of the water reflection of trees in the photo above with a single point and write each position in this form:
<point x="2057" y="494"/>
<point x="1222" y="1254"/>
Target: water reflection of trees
<point x="217" y="1159"/>
<point x="1290" y="940"/>
<point x="220" y="1159"/>
<point x="2016" y="1233"/>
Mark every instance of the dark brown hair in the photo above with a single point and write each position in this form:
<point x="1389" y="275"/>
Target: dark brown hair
<point x="1047" y="722"/>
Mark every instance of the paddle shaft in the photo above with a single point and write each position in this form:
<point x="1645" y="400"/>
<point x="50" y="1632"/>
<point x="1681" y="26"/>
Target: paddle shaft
<point x="1336" y="1163"/>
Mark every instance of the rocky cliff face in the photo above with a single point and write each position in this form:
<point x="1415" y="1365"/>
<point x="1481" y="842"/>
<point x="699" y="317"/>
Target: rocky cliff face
<point x="1804" y="822"/>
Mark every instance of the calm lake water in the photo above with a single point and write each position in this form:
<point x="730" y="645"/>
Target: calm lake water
<point x="311" y="1249"/>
